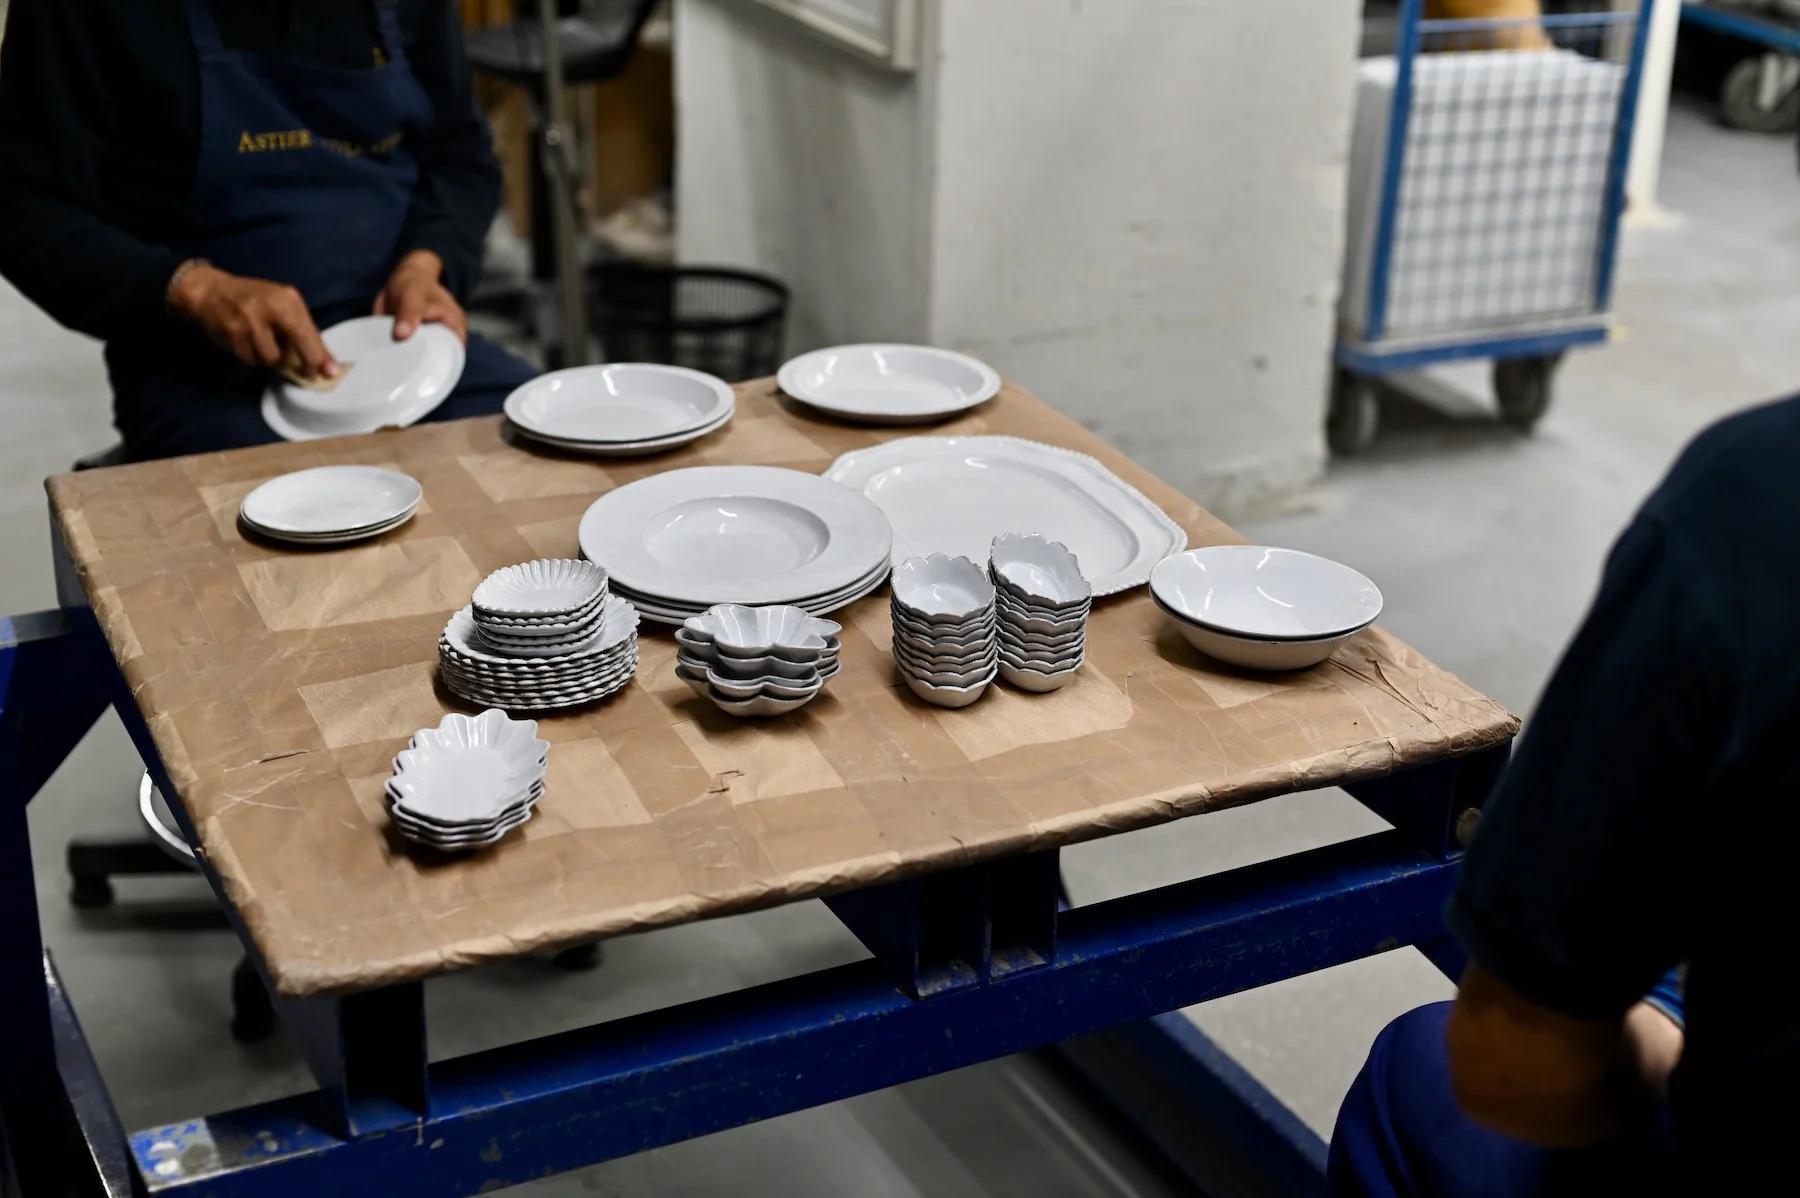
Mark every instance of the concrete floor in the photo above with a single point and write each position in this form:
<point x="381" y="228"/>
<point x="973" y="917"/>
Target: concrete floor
<point x="1487" y="545"/>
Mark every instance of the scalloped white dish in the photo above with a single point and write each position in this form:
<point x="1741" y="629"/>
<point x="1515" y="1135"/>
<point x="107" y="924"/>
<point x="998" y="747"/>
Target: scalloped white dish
<point x="741" y="631"/>
<point x="1266" y="593"/>
<point x="954" y="495"/>
<point x="1038" y="570"/>
<point x="547" y="586"/>
<point x="618" y="620"/>
<point x="469" y="769"/>
<point x="941" y="589"/>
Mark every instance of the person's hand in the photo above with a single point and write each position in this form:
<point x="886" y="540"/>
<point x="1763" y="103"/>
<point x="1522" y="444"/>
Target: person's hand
<point x="415" y="294"/>
<point x="258" y="322"/>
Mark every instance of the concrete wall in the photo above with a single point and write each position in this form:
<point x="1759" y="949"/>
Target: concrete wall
<point x="1133" y="207"/>
<point x="794" y="157"/>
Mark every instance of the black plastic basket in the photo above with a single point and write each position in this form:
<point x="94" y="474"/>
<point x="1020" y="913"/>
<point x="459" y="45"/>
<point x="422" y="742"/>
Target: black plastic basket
<point x="725" y="322"/>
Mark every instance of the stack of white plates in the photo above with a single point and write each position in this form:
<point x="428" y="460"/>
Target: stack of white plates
<point x="468" y="782"/>
<point x="757" y="661"/>
<point x="540" y="634"/>
<point x="331" y="505"/>
<point x="1042" y="602"/>
<point x="946" y="640"/>
<point x="627" y="409"/>
<point x="1264" y="608"/>
<point x="679" y="542"/>
<point x="387" y="384"/>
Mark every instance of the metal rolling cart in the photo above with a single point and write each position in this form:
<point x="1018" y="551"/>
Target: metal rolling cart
<point x="1761" y="91"/>
<point x="1486" y="186"/>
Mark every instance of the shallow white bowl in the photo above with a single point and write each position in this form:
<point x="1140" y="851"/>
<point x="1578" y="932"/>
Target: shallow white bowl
<point x="941" y="589"/>
<point x="750" y="632"/>
<point x="391" y="383"/>
<point x="1017" y="620"/>
<point x="545" y="587"/>
<point x="1040" y="571"/>
<point x="1255" y="654"/>
<point x="1265" y="593"/>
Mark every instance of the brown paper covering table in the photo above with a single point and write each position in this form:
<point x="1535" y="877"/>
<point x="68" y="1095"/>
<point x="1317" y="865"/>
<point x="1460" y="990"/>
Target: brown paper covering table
<point x="278" y="683"/>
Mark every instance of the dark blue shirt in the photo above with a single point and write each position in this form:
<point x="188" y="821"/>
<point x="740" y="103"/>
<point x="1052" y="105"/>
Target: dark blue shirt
<point x="1649" y="815"/>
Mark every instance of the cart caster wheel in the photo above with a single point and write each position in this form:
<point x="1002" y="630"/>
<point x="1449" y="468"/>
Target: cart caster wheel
<point x="579" y="958"/>
<point x="252" y="1011"/>
<point x="1741" y="103"/>
<point x="1353" y="415"/>
<point x="1522" y="387"/>
<point x="90" y="892"/>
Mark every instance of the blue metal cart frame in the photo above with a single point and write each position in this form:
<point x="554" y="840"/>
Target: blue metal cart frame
<point x="967" y="965"/>
<point x="1526" y="357"/>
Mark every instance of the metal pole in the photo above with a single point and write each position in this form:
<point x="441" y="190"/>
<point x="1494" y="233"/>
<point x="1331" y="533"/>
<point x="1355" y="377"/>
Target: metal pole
<point x="558" y="162"/>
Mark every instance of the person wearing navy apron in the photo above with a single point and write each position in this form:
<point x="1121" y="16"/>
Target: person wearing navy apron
<point x="320" y="191"/>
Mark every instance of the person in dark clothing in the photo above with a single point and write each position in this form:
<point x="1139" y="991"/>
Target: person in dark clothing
<point x="1642" y="832"/>
<point x="206" y="184"/>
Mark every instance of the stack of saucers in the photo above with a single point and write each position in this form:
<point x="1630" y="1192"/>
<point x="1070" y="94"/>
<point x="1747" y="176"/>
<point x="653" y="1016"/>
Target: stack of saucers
<point x="757" y="661"/>
<point x="1043" y="602"/>
<point x="468" y="782"/>
<point x="945" y="639"/>
<point x="540" y="635"/>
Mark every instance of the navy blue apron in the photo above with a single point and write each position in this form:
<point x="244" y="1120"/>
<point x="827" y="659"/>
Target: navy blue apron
<point x="305" y="176"/>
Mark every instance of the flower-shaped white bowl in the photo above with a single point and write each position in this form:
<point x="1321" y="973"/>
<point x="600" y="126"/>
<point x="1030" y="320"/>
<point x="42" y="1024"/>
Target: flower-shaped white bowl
<point x="1030" y="678"/>
<point x="980" y="626"/>
<point x="780" y="630"/>
<point x="940" y="657"/>
<point x="469" y="769"/>
<point x="950" y="696"/>
<point x="547" y="586"/>
<point x="941" y="589"/>
<point x="1043" y="642"/>
<point x="1018" y="620"/>
<point x="1265" y="593"/>
<point x="1038" y="570"/>
<point x="1005" y="595"/>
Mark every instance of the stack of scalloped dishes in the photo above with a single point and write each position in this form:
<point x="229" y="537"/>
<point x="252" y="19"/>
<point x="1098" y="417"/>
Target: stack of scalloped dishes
<point x="540" y="635"/>
<point x="1042" y="603"/>
<point x="946" y="646"/>
<point x="757" y="661"/>
<point x="468" y="782"/>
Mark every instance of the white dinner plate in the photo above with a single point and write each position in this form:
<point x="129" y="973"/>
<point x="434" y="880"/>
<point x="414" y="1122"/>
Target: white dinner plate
<point x="734" y="534"/>
<point x="620" y="403"/>
<point x="889" y="384"/>
<point x="331" y="501"/>
<point x="391" y="383"/>
<point x="627" y="449"/>
<point x="954" y="495"/>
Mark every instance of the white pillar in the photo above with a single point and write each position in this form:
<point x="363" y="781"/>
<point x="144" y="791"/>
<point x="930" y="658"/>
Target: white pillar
<point x="1652" y="116"/>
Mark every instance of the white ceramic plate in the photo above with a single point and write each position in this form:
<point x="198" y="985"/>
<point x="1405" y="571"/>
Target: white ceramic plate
<point x="889" y="384"/>
<point x="1265" y="593"/>
<point x="629" y="449"/>
<point x="468" y="768"/>
<point x="956" y="494"/>
<point x="391" y="383"/>
<point x="331" y="501"/>
<point x="734" y="534"/>
<point x="618" y="404"/>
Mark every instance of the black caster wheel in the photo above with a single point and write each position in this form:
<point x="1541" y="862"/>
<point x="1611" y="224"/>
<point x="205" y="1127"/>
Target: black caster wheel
<point x="1744" y="102"/>
<point x="1523" y="387"/>
<point x="1353" y="416"/>
<point x="90" y="891"/>
<point x="578" y="958"/>
<point x="252" y="1011"/>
